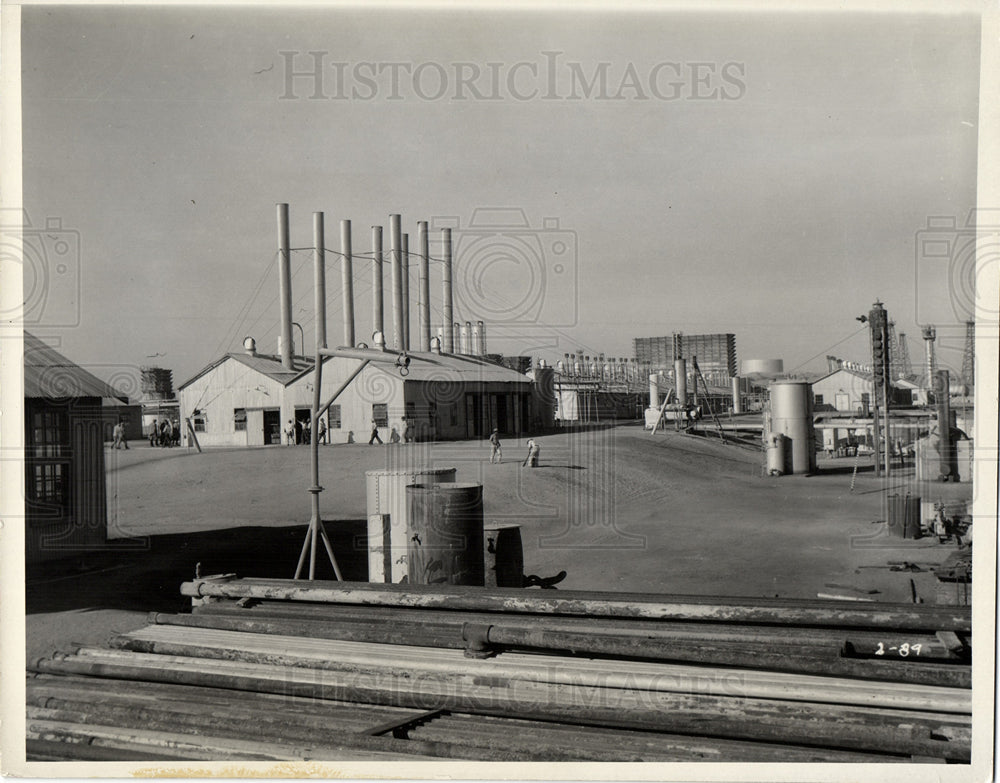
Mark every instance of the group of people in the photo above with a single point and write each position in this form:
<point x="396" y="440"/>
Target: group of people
<point x="394" y="436"/>
<point x="496" y="451"/>
<point x="292" y="432"/>
<point x="164" y="434"/>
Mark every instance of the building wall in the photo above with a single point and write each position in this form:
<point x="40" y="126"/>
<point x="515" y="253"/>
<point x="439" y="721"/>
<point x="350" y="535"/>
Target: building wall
<point x="54" y="531"/>
<point x="218" y="393"/>
<point x="842" y="390"/>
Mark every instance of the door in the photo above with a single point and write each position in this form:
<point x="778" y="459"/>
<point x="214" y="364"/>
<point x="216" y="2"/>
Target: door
<point x="272" y="426"/>
<point x="842" y="402"/>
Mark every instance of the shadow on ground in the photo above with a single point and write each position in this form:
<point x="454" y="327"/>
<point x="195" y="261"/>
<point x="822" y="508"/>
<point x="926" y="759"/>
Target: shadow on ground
<point x="147" y="575"/>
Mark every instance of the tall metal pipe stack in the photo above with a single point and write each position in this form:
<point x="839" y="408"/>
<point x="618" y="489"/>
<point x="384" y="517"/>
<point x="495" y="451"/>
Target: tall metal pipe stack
<point x="424" y="286"/>
<point x="466" y="334"/>
<point x="456" y="335"/>
<point x="319" y="272"/>
<point x="285" y="288"/>
<point x="654" y="390"/>
<point x="930" y="335"/>
<point x="946" y="449"/>
<point x="378" y="312"/>
<point x="396" y="259"/>
<point x="347" y="270"/>
<point x="680" y="381"/>
<point x="737" y="398"/>
<point x="405" y="256"/>
<point x="479" y="347"/>
<point x="446" y="291"/>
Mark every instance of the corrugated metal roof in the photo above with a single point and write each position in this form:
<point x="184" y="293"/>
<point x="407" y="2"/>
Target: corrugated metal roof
<point x="50" y="375"/>
<point x="426" y="367"/>
<point x="265" y="364"/>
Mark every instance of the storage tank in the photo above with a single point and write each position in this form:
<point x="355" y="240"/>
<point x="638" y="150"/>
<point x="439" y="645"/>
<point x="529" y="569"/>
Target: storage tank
<point x="386" y="493"/>
<point x="762" y="369"/>
<point x="680" y="382"/>
<point x="792" y="416"/>
<point x="654" y="391"/>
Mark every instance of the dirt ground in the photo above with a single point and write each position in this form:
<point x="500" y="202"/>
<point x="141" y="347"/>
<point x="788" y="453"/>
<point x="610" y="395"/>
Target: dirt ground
<point x="617" y="509"/>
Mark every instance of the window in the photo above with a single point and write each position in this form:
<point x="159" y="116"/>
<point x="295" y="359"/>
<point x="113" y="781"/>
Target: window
<point x="49" y="436"/>
<point x="380" y="412"/>
<point x="453" y="414"/>
<point x="411" y="411"/>
<point x="199" y="420"/>
<point x="47" y="472"/>
<point x="819" y="399"/>
<point x="240" y="419"/>
<point x="334" y="417"/>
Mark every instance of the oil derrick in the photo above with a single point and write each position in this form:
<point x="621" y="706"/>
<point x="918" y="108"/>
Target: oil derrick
<point x="969" y="357"/>
<point x="905" y="368"/>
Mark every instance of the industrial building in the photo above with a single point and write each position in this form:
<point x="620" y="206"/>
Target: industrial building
<point x="450" y="390"/>
<point x="716" y="354"/>
<point x="247" y="399"/>
<point x="65" y="503"/>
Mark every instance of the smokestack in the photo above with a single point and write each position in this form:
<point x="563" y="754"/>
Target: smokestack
<point x="476" y="344"/>
<point x="737" y="399"/>
<point x="348" y="282"/>
<point x="378" y="314"/>
<point x="466" y="334"/>
<point x="424" y="291"/>
<point x="285" y="288"/>
<point x="481" y="345"/>
<point x="396" y="259"/>
<point x="942" y="390"/>
<point x="405" y="256"/>
<point x="456" y="342"/>
<point x="319" y="268"/>
<point x="446" y="291"/>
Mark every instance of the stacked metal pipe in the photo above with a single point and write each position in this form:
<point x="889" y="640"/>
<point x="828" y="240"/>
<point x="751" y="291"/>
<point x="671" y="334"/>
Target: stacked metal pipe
<point x="356" y="670"/>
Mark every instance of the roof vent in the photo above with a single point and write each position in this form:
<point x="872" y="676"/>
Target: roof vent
<point x="436" y="345"/>
<point x="250" y="346"/>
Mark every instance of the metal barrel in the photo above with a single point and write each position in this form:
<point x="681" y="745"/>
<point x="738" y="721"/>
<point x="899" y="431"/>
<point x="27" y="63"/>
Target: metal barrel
<point x="445" y="534"/>
<point x="387" y="536"/>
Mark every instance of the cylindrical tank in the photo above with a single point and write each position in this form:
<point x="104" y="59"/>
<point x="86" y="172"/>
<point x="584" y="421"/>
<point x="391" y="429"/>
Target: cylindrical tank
<point x="475" y="343"/>
<point x="737" y="399"/>
<point x="775" y="454"/>
<point x="762" y="368"/>
<point x="791" y="415"/>
<point x="386" y="491"/>
<point x="680" y="381"/>
<point x="445" y="541"/>
<point x="654" y="391"/>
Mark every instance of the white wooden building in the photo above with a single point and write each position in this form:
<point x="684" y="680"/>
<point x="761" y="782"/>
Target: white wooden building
<point x="248" y="399"/>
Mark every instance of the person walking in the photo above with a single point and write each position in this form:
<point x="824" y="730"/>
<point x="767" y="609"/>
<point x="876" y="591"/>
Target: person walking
<point x="496" y="450"/>
<point x="531" y="461"/>
<point x="153" y="433"/>
<point x="407" y="431"/>
<point x="119" y="435"/>
<point x="375" y="435"/>
<point x="306" y="431"/>
<point x="165" y="433"/>
<point x="290" y="433"/>
<point x="321" y="431"/>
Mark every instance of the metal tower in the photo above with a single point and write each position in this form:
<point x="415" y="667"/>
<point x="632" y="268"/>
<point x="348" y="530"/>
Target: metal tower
<point x="969" y="357"/>
<point x="905" y="368"/>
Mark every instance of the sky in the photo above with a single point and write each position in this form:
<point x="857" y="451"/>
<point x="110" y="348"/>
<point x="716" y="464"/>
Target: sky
<point x="762" y="173"/>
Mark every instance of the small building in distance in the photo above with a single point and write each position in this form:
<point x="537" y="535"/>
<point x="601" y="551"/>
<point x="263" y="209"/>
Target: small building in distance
<point x="248" y="399"/>
<point x="65" y="490"/>
<point x="850" y="390"/>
